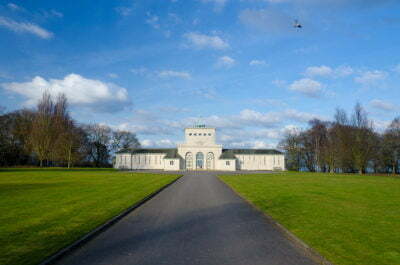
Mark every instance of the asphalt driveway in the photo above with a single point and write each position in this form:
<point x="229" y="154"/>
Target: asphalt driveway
<point x="197" y="220"/>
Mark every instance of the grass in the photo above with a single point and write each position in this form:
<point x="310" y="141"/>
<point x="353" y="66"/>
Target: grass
<point x="43" y="210"/>
<point x="349" y="219"/>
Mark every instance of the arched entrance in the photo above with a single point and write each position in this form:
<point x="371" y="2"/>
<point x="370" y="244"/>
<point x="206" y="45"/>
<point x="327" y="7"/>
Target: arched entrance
<point x="199" y="160"/>
<point x="210" y="161"/>
<point x="189" y="160"/>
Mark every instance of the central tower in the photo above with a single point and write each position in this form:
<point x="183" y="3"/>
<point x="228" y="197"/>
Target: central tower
<point x="200" y="150"/>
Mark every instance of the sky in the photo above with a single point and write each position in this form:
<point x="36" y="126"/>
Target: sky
<point x="154" y="67"/>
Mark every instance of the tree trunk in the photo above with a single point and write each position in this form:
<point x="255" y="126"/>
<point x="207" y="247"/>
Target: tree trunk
<point x="41" y="163"/>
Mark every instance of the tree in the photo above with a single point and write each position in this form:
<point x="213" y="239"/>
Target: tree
<point x="41" y="137"/>
<point x="98" y="144"/>
<point x="391" y="145"/>
<point x="124" y="140"/>
<point x="363" y="139"/>
<point x="292" y="147"/>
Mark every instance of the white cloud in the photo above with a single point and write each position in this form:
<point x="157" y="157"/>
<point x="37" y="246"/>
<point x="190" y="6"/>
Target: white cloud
<point x="370" y="77"/>
<point x="344" y="70"/>
<point x="124" y="10"/>
<point x="22" y="27"/>
<point x="218" y="4"/>
<point x="171" y="73"/>
<point x="142" y="71"/>
<point x="153" y="21"/>
<point x="157" y="143"/>
<point x="308" y="87"/>
<point x="257" y="62"/>
<point x="225" y="62"/>
<point x="269" y="102"/>
<point x="383" y="105"/>
<point x="14" y="7"/>
<point x="279" y="83"/>
<point x="248" y="128"/>
<point x="201" y="41"/>
<point x="322" y="70"/>
<point x="301" y="116"/>
<point x="113" y="75"/>
<point x="326" y="71"/>
<point x="79" y="91"/>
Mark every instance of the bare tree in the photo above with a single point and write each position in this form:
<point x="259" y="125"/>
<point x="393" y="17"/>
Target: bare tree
<point x="362" y="136"/>
<point x="99" y="143"/>
<point x="41" y="137"/>
<point x="391" y="145"/>
<point x="124" y="140"/>
<point x="292" y="146"/>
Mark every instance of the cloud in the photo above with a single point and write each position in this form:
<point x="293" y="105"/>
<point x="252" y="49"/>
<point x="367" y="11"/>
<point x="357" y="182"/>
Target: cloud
<point x="301" y="116"/>
<point x="308" y="87"/>
<point x="143" y="71"/>
<point x="370" y="77"/>
<point x="326" y="71"/>
<point x="153" y="21"/>
<point x="279" y="83"/>
<point x="266" y="20"/>
<point x="319" y="71"/>
<point x="22" y="27"/>
<point x="171" y="74"/>
<point x="14" y="7"/>
<point x="257" y="62"/>
<point x="269" y="102"/>
<point x="248" y="128"/>
<point x="383" y="105"/>
<point x="158" y="143"/>
<point x="79" y="91"/>
<point x="202" y="41"/>
<point x="225" y="62"/>
<point x="123" y="10"/>
<point x="397" y="69"/>
<point x="218" y="4"/>
<point x="113" y="75"/>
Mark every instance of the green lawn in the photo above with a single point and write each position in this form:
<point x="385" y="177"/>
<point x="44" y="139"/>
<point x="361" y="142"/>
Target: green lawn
<point x="349" y="219"/>
<point x="42" y="211"/>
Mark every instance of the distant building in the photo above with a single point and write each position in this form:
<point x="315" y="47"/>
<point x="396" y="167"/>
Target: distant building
<point x="200" y="152"/>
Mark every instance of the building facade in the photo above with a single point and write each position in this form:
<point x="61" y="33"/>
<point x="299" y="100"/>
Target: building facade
<point x="200" y="152"/>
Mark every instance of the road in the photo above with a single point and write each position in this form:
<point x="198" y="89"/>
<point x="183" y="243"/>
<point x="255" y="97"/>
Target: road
<point x="197" y="220"/>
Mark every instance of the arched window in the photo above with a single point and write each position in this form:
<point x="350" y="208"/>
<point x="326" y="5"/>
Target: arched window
<point x="210" y="161"/>
<point x="199" y="160"/>
<point x="189" y="160"/>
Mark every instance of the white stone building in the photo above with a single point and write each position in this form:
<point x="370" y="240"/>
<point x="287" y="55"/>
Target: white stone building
<point x="200" y="152"/>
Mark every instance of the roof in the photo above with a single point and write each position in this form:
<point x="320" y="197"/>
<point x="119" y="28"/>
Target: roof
<point x="170" y="152"/>
<point x="230" y="153"/>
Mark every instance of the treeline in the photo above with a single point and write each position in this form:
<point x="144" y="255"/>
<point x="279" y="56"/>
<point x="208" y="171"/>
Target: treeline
<point x="48" y="136"/>
<point x="349" y="144"/>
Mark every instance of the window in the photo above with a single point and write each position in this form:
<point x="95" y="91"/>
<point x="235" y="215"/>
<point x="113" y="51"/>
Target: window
<point x="195" y="134"/>
<point x="189" y="160"/>
<point x="228" y="163"/>
<point x="171" y="163"/>
<point x="209" y="134"/>
<point x="190" y="134"/>
<point x="204" y="134"/>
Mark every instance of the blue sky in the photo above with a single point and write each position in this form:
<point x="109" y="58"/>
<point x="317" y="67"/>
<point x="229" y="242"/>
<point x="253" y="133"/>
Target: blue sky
<point x="155" y="67"/>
